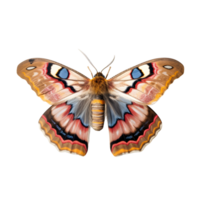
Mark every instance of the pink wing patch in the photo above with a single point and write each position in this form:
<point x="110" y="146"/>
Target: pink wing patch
<point x="131" y="122"/>
<point x="61" y="113"/>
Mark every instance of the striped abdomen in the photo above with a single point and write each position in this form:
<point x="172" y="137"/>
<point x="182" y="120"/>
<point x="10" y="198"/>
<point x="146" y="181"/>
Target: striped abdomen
<point x="97" y="108"/>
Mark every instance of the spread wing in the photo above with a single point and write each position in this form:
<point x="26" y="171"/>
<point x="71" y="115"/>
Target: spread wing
<point x="131" y="126"/>
<point x="67" y="126"/>
<point x="131" y="123"/>
<point x="52" y="81"/>
<point x="146" y="82"/>
<point x="67" y="121"/>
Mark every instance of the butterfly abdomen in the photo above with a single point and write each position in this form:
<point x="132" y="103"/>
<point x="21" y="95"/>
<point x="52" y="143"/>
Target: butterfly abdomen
<point x="97" y="111"/>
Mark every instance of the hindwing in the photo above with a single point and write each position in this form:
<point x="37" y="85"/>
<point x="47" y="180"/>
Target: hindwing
<point x="131" y="126"/>
<point x="67" y="125"/>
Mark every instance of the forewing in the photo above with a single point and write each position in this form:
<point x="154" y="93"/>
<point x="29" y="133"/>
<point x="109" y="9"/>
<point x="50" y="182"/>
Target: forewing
<point x="146" y="82"/>
<point x="131" y="126"/>
<point x="52" y="81"/>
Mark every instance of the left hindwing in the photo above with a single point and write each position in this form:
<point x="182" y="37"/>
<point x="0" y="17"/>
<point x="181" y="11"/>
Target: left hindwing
<point x="146" y="82"/>
<point x="67" y="124"/>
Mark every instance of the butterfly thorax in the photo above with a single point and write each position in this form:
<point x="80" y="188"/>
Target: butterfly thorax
<point x="98" y="84"/>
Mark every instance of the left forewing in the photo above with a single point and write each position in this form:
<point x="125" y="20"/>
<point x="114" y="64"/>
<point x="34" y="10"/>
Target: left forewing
<point x="52" y="81"/>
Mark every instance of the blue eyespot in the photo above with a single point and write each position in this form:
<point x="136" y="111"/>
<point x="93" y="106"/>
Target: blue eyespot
<point x="63" y="73"/>
<point x="136" y="73"/>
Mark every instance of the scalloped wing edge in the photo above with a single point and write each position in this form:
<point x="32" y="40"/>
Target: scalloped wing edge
<point x="143" y="149"/>
<point x="48" y="140"/>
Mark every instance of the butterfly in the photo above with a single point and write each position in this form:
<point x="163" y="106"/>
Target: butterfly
<point x="79" y="102"/>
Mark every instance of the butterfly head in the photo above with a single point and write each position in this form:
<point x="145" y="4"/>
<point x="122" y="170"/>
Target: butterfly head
<point x="98" y="83"/>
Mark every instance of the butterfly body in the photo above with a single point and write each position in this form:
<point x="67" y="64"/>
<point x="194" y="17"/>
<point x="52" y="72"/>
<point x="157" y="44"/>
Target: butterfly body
<point x="97" y="112"/>
<point x="98" y="84"/>
<point x="79" y="102"/>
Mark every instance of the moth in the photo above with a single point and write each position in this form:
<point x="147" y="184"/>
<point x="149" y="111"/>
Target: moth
<point x="79" y="102"/>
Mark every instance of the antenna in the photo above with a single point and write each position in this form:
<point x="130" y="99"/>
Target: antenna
<point x="109" y="63"/>
<point x="88" y="59"/>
